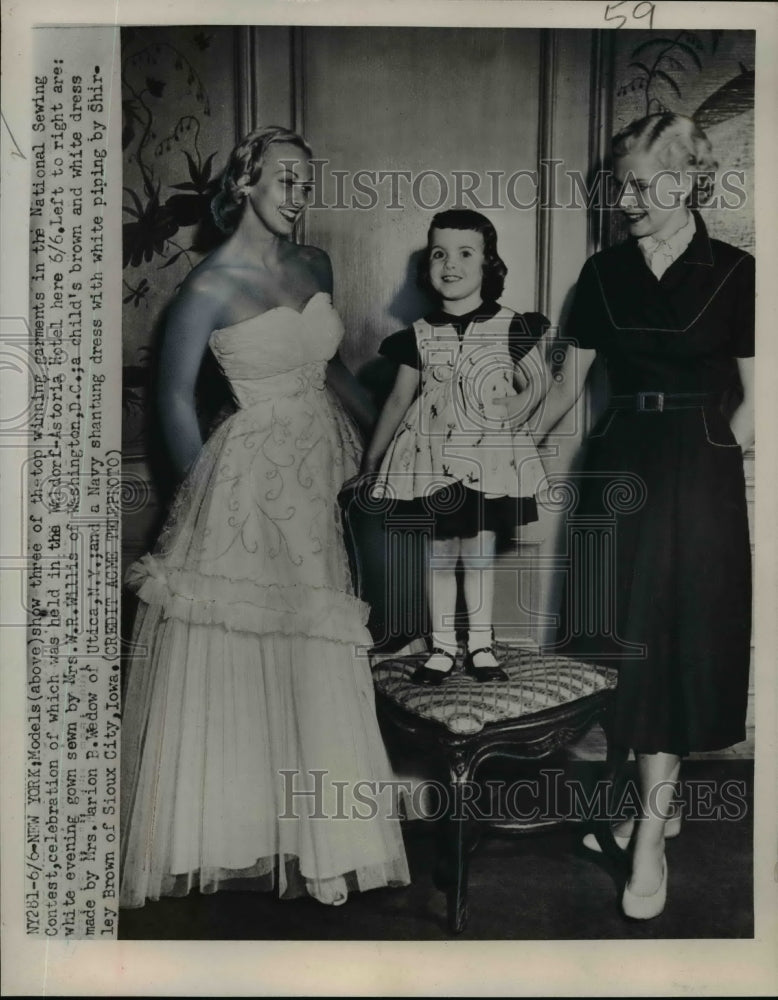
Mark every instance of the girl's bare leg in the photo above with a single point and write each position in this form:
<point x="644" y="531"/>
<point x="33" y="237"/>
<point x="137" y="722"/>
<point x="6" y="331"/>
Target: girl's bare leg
<point x="442" y="590"/>
<point x="478" y="564"/>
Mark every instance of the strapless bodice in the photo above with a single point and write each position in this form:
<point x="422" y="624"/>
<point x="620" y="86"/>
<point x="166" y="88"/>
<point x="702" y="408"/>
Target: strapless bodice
<point x="279" y="353"/>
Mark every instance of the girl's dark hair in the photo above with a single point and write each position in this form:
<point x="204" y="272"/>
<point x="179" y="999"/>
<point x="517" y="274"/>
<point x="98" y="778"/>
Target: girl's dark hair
<point x="678" y="143"/>
<point x="494" y="266"/>
<point x="243" y="169"/>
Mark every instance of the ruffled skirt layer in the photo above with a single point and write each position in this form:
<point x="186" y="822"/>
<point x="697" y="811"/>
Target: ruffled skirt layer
<point x="226" y="734"/>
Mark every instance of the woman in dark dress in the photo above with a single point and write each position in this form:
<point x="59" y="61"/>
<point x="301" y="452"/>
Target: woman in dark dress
<point x="671" y="313"/>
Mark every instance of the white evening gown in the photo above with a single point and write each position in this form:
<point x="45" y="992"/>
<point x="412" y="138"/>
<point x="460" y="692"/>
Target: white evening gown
<point x="245" y="656"/>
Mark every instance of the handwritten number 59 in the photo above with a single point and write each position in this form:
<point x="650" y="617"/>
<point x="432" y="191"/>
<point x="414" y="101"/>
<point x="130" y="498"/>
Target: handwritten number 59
<point x="634" y="11"/>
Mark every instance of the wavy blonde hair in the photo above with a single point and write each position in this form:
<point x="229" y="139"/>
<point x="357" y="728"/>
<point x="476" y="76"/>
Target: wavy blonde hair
<point x="678" y="144"/>
<point x="243" y="169"/>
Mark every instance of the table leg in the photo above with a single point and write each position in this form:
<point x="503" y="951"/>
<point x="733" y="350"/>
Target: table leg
<point x="458" y="838"/>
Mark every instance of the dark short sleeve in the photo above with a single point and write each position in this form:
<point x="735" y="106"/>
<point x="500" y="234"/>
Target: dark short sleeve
<point x="401" y="347"/>
<point x="584" y="318"/>
<point x="743" y="292"/>
<point x="525" y="331"/>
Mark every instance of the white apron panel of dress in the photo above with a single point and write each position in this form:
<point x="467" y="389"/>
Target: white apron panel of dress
<point x="454" y="430"/>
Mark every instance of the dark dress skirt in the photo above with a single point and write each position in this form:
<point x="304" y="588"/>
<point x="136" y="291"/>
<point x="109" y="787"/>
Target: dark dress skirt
<point x="658" y="540"/>
<point x="458" y="512"/>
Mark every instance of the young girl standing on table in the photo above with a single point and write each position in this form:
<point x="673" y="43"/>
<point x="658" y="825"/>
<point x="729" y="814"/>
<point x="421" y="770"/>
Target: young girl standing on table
<point x="450" y="440"/>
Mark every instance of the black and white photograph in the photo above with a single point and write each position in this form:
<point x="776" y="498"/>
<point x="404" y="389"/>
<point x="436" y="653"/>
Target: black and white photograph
<point x="397" y="566"/>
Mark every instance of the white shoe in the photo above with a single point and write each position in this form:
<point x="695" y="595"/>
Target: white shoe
<point x="330" y="891"/>
<point x="645" y="907"/>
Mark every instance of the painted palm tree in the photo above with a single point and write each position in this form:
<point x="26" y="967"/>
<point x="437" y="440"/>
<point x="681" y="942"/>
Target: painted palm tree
<point x="660" y="63"/>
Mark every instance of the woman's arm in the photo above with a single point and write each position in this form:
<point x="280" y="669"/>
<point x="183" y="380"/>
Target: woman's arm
<point x="192" y="319"/>
<point x="743" y="418"/>
<point x="580" y="333"/>
<point x="566" y="387"/>
<point x="352" y="394"/>
<point x="532" y="379"/>
<point x="406" y="385"/>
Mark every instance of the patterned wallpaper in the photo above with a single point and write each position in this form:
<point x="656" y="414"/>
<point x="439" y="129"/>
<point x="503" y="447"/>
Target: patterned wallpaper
<point x="178" y="103"/>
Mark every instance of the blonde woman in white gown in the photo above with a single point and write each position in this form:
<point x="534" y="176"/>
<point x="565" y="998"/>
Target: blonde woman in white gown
<point x="245" y="687"/>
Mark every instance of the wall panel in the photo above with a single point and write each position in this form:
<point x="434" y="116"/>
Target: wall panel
<point x="416" y="99"/>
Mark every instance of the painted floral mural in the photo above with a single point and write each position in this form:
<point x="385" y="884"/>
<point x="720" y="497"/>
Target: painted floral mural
<point x="178" y="113"/>
<point x="154" y="222"/>
<point x="171" y="153"/>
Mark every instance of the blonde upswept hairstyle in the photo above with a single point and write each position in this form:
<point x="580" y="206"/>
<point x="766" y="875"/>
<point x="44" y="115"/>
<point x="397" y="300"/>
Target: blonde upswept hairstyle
<point x="244" y="168"/>
<point x="678" y="144"/>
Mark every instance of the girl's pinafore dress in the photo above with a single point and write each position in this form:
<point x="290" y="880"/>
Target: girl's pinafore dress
<point x="455" y="455"/>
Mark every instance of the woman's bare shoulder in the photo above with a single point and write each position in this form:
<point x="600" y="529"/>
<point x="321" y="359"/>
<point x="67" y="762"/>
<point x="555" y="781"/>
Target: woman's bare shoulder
<point x="315" y="261"/>
<point x="310" y="253"/>
<point x="211" y="284"/>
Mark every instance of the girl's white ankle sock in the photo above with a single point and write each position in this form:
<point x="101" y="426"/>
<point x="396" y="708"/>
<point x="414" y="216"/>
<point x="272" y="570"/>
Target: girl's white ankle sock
<point x="478" y="641"/>
<point x="478" y="638"/>
<point x="447" y="641"/>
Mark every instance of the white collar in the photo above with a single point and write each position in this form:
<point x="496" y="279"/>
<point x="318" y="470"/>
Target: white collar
<point x="660" y="254"/>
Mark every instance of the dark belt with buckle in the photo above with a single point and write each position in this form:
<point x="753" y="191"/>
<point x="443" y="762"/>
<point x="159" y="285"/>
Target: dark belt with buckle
<point x="658" y="402"/>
